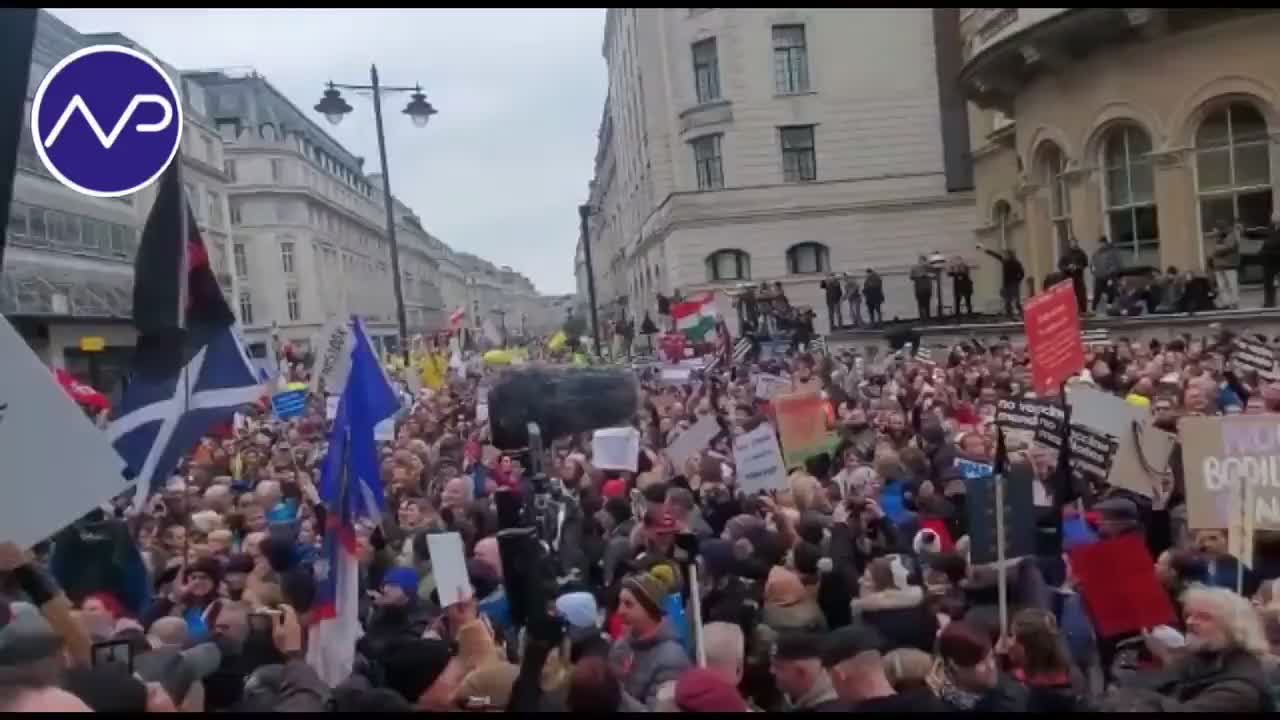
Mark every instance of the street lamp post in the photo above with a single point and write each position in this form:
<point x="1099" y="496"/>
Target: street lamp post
<point x="334" y="107"/>
<point x="584" y="212"/>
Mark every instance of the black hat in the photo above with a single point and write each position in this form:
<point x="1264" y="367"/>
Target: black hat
<point x="107" y="688"/>
<point x="411" y="665"/>
<point x="849" y="641"/>
<point x="1118" y="508"/>
<point x="797" y="646"/>
<point x="209" y="566"/>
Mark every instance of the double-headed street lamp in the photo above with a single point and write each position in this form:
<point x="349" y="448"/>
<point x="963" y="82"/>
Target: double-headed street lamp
<point x="334" y="107"/>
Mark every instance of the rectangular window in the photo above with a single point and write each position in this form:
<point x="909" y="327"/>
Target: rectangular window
<point x="236" y="218"/>
<point x="208" y="150"/>
<point x="706" y="70"/>
<point x="37" y="232"/>
<point x="799" y="162"/>
<point x="241" y="260"/>
<point x="246" y="309"/>
<point x="286" y="257"/>
<point x="706" y="158"/>
<point x="122" y="240"/>
<point x="229" y="167"/>
<point x="277" y="171"/>
<point x="192" y="198"/>
<point x="18" y="222"/>
<point x="291" y="300"/>
<point x="790" y="59"/>
<point x="215" y="208"/>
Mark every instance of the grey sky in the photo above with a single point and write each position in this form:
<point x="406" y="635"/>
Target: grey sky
<point x="499" y="172"/>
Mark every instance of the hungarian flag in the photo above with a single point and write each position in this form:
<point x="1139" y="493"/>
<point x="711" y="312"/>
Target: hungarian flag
<point x="696" y="317"/>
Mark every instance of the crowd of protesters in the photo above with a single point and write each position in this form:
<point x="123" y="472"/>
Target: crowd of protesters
<point x="851" y="589"/>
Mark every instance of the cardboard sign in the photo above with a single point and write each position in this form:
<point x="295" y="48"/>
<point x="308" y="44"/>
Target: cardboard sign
<point x="1102" y="411"/>
<point x="1221" y="453"/>
<point x="1117" y="580"/>
<point x="449" y="566"/>
<point x="759" y="460"/>
<point x="1053" y="337"/>
<point x="55" y="459"/>
<point x="333" y="364"/>
<point x="769" y="386"/>
<point x="692" y="442"/>
<point x="1250" y="355"/>
<point x="802" y="422"/>
<point x="289" y="405"/>
<point x="616" y="449"/>
<point x="1019" y="516"/>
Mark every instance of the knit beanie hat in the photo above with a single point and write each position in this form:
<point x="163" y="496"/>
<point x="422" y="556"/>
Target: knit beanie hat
<point x="703" y="690"/>
<point x="578" y="609"/>
<point x="647" y="590"/>
<point x="404" y="578"/>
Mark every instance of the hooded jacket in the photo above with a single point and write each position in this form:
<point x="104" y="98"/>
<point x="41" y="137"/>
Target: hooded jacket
<point x="900" y="615"/>
<point x="1214" y="682"/>
<point x="645" y="665"/>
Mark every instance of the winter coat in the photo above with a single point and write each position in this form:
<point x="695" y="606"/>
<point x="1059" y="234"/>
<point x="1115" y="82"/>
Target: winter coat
<point x="1215" y="682"/>
<point x="900" y="615"/>
<point x="644" y="666"/>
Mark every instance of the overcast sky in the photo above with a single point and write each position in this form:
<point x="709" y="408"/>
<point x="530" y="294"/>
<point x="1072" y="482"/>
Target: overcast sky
<point x="499" y="172"/>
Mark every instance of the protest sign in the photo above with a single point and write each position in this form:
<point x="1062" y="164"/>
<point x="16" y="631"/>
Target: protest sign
<point x="616" y="448"/>
<point x="1019" y="515"/>
<point x="1118" y="582"/>
<point x="802" y="422"/>
<point x="1142" y="458"/>
<point x="676" y="375"/>
<point x="1020" y="419"/>
<point x="385" y="431"/>
<point x="1251" y="355"/>
<point x="973" y="469"/>
<point x="449" y="566"/>
<point x="768" y="386"/>
<point x="1102" y="411"/>
<point x="759" y="460"/>
<point x="55" y="458"/>
<point x="331" y="407"/>
<point x="336" y="344"/>
<point x="691" y="442"/>
<point x="1220" y="453"/>
<point x="290" y="404"/>
<point x="1091" y="453"/>
<point x="1053" y="337"/>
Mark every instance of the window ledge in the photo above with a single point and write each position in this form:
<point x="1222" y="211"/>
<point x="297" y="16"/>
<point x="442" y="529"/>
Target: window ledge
<point x="709" y="105"/>
<point x="802" y="93"/>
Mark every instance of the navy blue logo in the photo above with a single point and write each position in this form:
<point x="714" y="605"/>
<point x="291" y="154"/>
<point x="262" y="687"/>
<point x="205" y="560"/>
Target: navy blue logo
<point x="107" y="121"/>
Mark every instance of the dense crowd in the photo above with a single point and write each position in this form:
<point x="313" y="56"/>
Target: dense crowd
<point x="849" y="589"/>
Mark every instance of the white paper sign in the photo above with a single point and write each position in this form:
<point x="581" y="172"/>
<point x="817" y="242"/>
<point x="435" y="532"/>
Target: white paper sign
<point x="759" y="460"/>
<point x="693" y="441"/>
<point x="616" y="449"/>
<point x="769" y="385"/>
<point x="449" y="566"/>
<point x="57" y="464"/>
<point x="333" y="364"/>
<point x="675" y="376"/>
<point x="385" y="431"/>
<point x="331" y="407"/>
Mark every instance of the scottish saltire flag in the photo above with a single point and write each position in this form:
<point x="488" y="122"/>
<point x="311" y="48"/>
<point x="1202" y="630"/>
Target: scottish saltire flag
<point x="190" y="371"/>
<point x="351" y="489"/>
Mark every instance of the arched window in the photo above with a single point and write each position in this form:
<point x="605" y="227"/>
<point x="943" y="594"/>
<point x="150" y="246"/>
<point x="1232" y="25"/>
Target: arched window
<point x="728" y="265"/>
<point x="1053" y="166"/>
<point x="1233" y="174"/>
<point x="808" y="257"/>
<point x="1001" y="216"/>
<point x="1129" y="194"/>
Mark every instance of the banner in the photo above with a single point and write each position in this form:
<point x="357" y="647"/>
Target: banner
<point x="759" y="460"/>
<point x="1221" y="453"/>
<point x="1053" y="337"/>
<point x="802" y="422"/>
<point x="333" y="363"/>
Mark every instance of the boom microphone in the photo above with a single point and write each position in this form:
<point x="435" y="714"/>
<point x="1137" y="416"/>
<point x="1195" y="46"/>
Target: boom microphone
<point x="560" y="402"/>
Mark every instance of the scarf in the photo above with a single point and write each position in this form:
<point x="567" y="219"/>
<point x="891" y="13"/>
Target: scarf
<point x="940" y="682"/>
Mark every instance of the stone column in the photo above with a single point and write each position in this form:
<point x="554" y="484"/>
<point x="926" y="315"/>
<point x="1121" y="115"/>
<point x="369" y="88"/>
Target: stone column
<point x="1039" y="259"/>
<point x="1177" y="211"/>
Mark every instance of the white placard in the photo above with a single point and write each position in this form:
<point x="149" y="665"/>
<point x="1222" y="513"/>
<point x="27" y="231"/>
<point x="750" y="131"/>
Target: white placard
<point x="616" y="449"/>
<point x="759" y="460"/>
<point x="385" y="431"/>
<point x="693" y="441"/>
<point x="333" y="364"/>
<point x="331" y="407"/>
<point x="56" y="460"/>
<point x="675" y="375"/>
<point x="449" y="566"/>
<point x="769" y="385"/>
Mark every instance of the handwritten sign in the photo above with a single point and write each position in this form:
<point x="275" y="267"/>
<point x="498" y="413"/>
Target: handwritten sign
<point x="691" y="442"/>
<point x="768" y="386"/>
<point x="1053" y="337"/>
<point x="759" y="460"/>
<point x="1221" y="453"/>
<point x="616" y="449"/>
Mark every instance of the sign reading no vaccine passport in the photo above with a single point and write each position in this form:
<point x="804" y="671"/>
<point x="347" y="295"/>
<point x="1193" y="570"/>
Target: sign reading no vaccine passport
<point x="54" y="457"/>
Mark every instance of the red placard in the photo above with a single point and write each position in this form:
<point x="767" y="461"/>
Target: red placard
<point x="1053" y="337"/>
<point x="1117" y="580"/>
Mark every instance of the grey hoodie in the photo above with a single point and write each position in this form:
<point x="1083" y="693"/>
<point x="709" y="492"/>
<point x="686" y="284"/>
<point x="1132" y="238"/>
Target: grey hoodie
<point x="644" y="666"/>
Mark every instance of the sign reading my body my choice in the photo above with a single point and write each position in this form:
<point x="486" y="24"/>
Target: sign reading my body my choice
<point x="1221" y="453"/>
